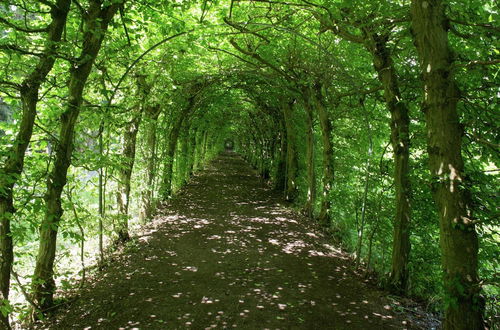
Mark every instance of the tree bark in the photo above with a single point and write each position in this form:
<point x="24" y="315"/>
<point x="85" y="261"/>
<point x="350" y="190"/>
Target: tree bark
<point x="184" y="157"/>
<point x="10" y="172"/>
<point x="328" y="169"/>
<point x="101" y="195"/>
<point x="458" y="238"/>
<point x="364" y="205"/>
<point x="291" y="153"/>
<point x="400" y="141"/>
<point x="281" y="162"/>
<point x="192" y="150"/>
<point x="311" y="173"/>
<point x="173" y="136"/>
<point x="96" y="21"/>
<point x="200" y="137"/>
<point x="125" y="173"/>
<point x="151" y="123"/>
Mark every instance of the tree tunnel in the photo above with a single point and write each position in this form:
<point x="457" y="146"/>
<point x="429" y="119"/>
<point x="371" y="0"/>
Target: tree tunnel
<point x="376" y="120"/>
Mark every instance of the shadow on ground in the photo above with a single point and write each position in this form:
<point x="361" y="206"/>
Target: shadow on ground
<point x="227" y="254"/>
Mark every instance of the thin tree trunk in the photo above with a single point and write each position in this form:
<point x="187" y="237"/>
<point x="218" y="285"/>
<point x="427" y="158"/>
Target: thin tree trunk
<point x="328" y="169"/>
<point x="382" y="62"/>
<point x="101" y="196"/>
<point x="205" y="146"/>
<point x="192" y="151"/>
<point x="291" y="153"/>
<point x="183" y="159"/>
<point x="281" y="166"/>
<point x="10" y="172"/>
<point x="311" y="174"/>
<point x="458" y="238"/>
<point x="197" y="150"/>
<point x="400" y="140"/>
<point x="374" y="229"/>
<point x="125" y="173"/>
<point x="361" y="226"/>
<point x="96" y="22"/>
<point x="151" y="123"/>
<point x="173" y="136"/>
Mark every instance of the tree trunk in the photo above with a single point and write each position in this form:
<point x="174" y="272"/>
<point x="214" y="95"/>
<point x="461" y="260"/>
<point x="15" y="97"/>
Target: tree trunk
<point x="400" y="141"/>
<point x="291" y="153"/>
<point x="151" y="119"/>
<point x="200" y="135"/>
<point x="328" y="172"/>
<point x="125" y="173"/>
<point x="14" y="162"/>
<point x="311" y="174"/>
<point x="458" y="238"/>
<point x="361" y="226"/>
<point x="205" y="146"/>
<point x="101" y="196"/>
<point x="192" y="151"/>
<point x="96" y="23"/>
<point x="281" y="166"/>
<point x="173" y="136"/>
<point x="184" y="157"/>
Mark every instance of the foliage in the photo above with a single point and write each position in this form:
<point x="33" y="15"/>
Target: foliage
<point x="238" y="63"/>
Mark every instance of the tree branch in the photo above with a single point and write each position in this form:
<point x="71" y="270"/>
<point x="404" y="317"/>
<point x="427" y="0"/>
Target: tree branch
<point x="23" y="291"/>
<point x="483" y="25"/>
<point x="478" y="62"/>
<point x="237" y="56"/>
<point x="124" y="25"/>
<point x="245" y="30"/>
<point x="22" y="29"/>
<point x="80" y="8"/>
<point x="477" y="138"/>
<point x="290" y="4"/>
<point x="47" y="3"/>
<point x="358" y="92"/>
<point x="260" y="59"/>
<point x="19" y="50"/>
<point x="11" y="84"/>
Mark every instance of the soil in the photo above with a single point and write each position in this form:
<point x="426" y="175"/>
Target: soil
<point x="227" y="252"/>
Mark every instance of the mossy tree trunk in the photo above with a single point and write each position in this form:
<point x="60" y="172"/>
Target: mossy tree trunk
<point x="198" y="150"/>
<point x="458" y="238"/>
<point x="96" y="24"/>
<point x="14" y="161"/>
<point x="327" y="139"/>
<point x="183" y="170"/>
<point x="192" y="150"/>
<point x="311" y="173"/>
<point x="280" y="182"/>
<point x="129" y="143"/>
<point x="291" y="152"/>
<point x="376" y="44"/>
<point x="150" y="125"/>
<point x="173" y="137"/>
<point x="400" y="141"/>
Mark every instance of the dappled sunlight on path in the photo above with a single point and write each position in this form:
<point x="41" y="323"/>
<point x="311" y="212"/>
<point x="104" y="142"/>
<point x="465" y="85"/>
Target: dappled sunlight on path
<point x="226" y="254"/>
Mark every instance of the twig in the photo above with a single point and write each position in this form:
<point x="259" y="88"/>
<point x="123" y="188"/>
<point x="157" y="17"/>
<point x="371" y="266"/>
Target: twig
<point x="23" y="291"/>
<point x="19" y="50"/>
<point x="22" y="29"/>
<point x="483" y="25"/>
<point x="478" y="62"/>
<point x="124" y="25"/>
<point x="47" y="3"/>
<point x="82" y="10"/>
<point x="494" y="146"/>
<point x="82" y="232"/>
<point x="11" y="84"/>
<point x="159" y="43"/>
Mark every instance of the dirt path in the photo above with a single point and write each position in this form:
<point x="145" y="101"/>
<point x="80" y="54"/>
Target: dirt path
<point x="226" y="254"/>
